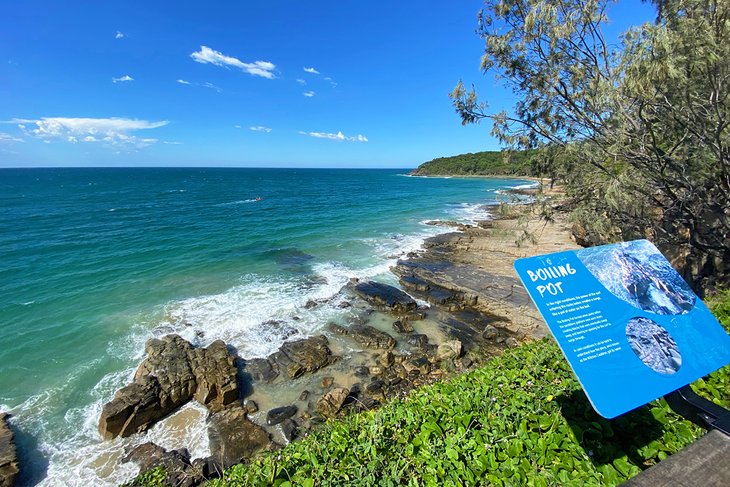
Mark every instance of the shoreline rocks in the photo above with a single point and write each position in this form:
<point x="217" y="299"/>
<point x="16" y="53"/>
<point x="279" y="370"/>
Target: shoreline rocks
<point x="9" y="467"/>
<point x="172" y="374"/>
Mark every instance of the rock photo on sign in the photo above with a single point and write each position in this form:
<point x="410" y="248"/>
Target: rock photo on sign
<point x="653" y="345"/>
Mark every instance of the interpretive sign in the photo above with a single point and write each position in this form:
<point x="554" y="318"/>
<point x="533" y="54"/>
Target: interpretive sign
<point x="630" y="327"/>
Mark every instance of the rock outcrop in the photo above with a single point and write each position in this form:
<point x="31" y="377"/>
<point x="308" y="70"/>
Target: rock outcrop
<point x="234" y="438"/>
<point x="385" y="297"/>
<point x="172" y="374"/>
<point x="292" y="360"/>
<point x="9" y="467"/>
<point x="179" y="471"/>
<point x="365" y="335"/>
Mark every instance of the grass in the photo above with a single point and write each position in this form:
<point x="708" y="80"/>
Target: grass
<point x="522" y="419"/>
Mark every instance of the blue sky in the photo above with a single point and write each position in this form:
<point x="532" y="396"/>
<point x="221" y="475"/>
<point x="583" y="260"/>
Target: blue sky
<point x="270" y="83"/>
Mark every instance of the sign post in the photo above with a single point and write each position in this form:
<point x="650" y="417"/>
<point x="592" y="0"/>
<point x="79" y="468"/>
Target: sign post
<point x="630" y="327"/>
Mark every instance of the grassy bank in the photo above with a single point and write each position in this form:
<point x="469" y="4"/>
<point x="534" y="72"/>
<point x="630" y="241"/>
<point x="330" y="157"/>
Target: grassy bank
<point x="520" y="419"/>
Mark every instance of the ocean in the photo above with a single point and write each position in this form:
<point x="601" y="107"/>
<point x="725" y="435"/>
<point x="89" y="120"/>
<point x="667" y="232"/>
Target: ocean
<point x="93" y="262"/>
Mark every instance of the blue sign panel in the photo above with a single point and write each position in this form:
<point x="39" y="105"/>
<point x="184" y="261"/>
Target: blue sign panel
<point x="630" y="327"/>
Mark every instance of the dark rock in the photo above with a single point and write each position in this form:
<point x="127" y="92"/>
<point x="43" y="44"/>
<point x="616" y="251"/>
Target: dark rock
<point x="417" y="340"/>
<point x="234" y="438"/>
<point x="311" y="303"/>
<point x="385" y="297"/>
<point x="327" y="382"/>
<point x="172" y="374"/>
<point x="344" y="304"/>
<point x="330" y="403"/>
<point x="402" y="326"/>
<point x="421" y="365"/>
<point x="289" y="430"/>
<point x="386" y="359"/>
<point x="261" y="370"/>
<point x="361" y="371"/>
<point x="277" y="415"/>
<point x="176" y="464"/>
<point x="511" y="342"/>
<point x="9" y="467"/>
<point x="375" y="386"/>
<point x="304" y="395"/>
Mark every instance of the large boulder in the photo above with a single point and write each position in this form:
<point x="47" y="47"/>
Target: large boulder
<point x="234" y="438"/>
<point x="385" y="297"/>
<point x="173" y="373"/>
<point x="9" y="467"/>
<point x="331" y="402"/>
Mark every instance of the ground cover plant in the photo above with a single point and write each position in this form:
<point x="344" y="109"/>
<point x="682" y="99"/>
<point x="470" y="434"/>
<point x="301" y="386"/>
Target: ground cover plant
<point x="520" y="420"/>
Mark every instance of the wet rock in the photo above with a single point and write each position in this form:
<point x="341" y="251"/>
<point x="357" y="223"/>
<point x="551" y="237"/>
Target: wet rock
<point x="361" y="371"/>
<point x="385" y="297"/>
<point x="331" y="402"/>
<point x="449" y="350"/>
<point x="311" y="303"/>
<point x="289" y="430"/>
<point x="176" y="464"/>
<point x="277" y="415"/>
<point x="417" y="340"/>
<point x="250" y="406"/>
<point x="376" y="370"/>
<point x="172" y="374"/>
<point x="371" y="337"/>
<point x="344" y="304"/>
<point x="402" y="326"/>
<point x="234" y="438"/>
<point x="375" y="386"/>
<point x="490" y="332"/>
<point x="327" y="382"/>
<point x="304" y="395"/>
<point x="9" y="467"/>
<point x="261" y="370"/>
<point x="305" y="355"/>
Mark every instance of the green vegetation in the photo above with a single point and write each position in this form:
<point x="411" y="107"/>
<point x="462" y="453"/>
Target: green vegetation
<point x="522" y="419"/>
<point x="639" y="132"/>
<point x="488" y="163"/>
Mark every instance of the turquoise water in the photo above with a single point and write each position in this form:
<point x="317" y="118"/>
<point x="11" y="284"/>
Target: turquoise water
<point x="93" y="262"/>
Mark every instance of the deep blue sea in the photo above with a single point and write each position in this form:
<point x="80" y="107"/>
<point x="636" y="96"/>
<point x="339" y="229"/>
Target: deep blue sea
<point x="93" y="262"/>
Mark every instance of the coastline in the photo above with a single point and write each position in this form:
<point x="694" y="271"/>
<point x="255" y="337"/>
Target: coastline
<point x="477" y="309"/>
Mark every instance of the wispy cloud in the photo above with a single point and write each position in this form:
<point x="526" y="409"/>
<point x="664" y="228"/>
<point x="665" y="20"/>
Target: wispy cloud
<point x="183" y="82"/>
<point x="260" y="128"/>
<point x="207" y="84"/>
<point x="311" y="70"/>
<point x="301" y="82"/>
<point x="309" y="94"/>
<point x="331" y="81"/>
<point x="9" y="138"/>
<point x="207" y="55"/>
<point x="119" y="35"/>
<point x="126" y="77"/>
<point x="338" y="136"/>
<point x="111" y="131"/>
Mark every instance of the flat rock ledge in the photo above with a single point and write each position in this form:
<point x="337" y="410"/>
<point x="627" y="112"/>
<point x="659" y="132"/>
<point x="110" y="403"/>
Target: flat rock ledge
<point x="172" y="374"/>
<point x="9" y="467"/>
<point x="385" y="297"/>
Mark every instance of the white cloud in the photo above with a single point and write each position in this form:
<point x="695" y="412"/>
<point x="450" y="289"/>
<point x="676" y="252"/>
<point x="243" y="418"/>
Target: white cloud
<point x="301" y="82"/>
<point x="9" y="138"/>
<point x="126" y="77"/>
<point x="207" y="55"/>
<point x="211" y="86"/>
<point x="309" y="94"/>
<point x="311" y="70"/>
<point x="338" y="136"/>
<point x="119" y="35"/>
<point x="183" y="82"/>
<point x="111" y="131"/>
<point x="260" y="128"/>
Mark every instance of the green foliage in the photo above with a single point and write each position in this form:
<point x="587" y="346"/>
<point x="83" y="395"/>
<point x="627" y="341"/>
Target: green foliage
<point x="520" y="420"/>
<point x="156" y="477"/>
<point x="639" y="131"/>
<point x="491" y="163"/>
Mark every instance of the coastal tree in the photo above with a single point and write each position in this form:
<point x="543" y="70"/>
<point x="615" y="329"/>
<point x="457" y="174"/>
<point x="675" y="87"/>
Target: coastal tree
<point x="638" y="131"/>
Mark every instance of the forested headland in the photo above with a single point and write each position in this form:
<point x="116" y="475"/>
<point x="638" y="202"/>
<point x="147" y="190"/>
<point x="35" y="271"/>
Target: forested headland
<point x="486" y="163"/>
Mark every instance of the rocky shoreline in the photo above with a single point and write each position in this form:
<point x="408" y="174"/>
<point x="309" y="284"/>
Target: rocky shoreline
<point x="476" y="308"/>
